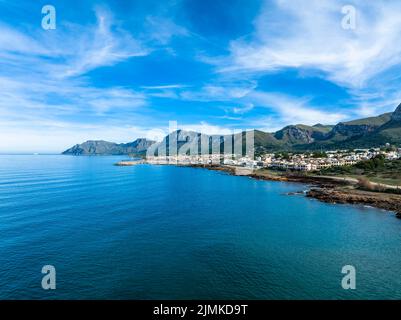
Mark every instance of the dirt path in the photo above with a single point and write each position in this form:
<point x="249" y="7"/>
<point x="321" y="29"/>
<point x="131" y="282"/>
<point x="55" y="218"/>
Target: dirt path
<point x="355" y="181"/>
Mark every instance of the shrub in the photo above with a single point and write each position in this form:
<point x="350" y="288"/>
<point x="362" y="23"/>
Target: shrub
<point x="365" y="184"/>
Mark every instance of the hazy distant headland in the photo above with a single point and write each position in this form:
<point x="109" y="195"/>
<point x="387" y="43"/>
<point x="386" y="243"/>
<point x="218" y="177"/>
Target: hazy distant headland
<point x="100" y="147"/>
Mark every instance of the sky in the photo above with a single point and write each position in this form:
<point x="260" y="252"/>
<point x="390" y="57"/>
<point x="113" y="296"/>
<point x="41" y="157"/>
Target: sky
<point x="119" y="70"/>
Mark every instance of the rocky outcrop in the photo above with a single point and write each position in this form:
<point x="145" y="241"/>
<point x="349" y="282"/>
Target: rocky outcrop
<point x="348" y="130"/>
<point x="391" y="202"/>
<point x="138" y="146"/>
<point x="396" y="116"/>
<point x="295" y="135"/>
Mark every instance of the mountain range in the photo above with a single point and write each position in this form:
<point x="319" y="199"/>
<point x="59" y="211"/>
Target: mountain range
<point x="361" y="133"/>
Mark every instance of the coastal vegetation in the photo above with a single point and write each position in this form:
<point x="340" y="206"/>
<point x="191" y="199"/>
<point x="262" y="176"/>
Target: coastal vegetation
<point x="377" y="170"/>
<point x="333" y="189"/>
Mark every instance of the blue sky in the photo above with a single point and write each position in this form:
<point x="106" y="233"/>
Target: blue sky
<point x="118" y="70"/>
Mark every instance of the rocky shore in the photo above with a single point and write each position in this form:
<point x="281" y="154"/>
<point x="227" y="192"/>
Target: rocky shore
<point x="128" y="163"/>
<point x="391" y="202"/>
<point x="323" y="188"/>
<point x="326" y="189"/>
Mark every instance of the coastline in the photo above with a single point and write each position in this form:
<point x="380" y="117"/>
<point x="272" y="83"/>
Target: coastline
<point x="128" y="163"/>
<point x="326" y="189"/>
<point x="329" y="189"/>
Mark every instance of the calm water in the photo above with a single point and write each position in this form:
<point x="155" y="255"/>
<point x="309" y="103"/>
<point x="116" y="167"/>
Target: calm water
<point x="158" y="232"/>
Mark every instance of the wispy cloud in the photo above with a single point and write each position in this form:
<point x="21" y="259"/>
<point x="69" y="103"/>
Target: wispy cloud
<point x="104" y="45"/>
<point x="291" y="110"/>
<point x="72" y="50"/>
<point x="243" y="109"/>
<point x="70" y="84"/>
<point x="55" y="138"/>
<point x="308" y="34"/>
<point x="206" y="128"/>
<point x="167" y="86"/>
<point x="44" y="87"/>
<point x="220" y="91"/>
<point x="163" y="30"/>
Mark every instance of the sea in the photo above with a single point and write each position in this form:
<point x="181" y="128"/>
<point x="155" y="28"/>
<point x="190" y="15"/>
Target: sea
<point x="167" y="232"/>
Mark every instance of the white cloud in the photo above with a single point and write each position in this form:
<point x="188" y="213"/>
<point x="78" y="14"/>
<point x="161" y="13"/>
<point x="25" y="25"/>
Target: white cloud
<point x="162" y="29"/>
<point x="308" y="34"/>
<point x="243" y="109"/>
<point x="220" y="91"/>
<point x="206" y="128"/>
<point x="288" y="109"/>
<point x="169" y="91"/>
<point x="46" y="97"/>
<point x="373" y="104"/>
<point x="13" y="41"/>
<point x="71" y="50"/>
<point x="52" y="139"/>
<point x="102" y="45"/>
<point x="295" y="110"/>
<point x="167" y="86"/>
<point x="45" y="94"/>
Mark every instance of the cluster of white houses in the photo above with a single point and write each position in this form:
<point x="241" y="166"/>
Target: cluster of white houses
<point x="307" y="162"/>
<point x="296" y="161"/>
<point x="207" y="159"/>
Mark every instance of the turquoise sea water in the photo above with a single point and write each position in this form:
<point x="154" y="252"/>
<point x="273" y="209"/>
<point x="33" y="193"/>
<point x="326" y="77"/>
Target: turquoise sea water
<point x="163" y="232"/>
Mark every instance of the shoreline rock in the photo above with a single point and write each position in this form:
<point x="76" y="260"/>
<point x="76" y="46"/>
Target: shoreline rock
<point x="329" y="190"/>
<point x="128" y="163"/>
<point x="390" y="202"/>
